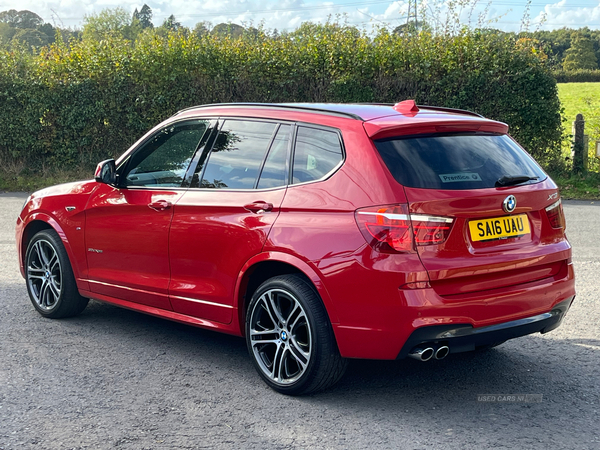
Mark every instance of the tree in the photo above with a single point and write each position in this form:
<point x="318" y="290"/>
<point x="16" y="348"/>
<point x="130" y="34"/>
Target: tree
<point x="21" y="19"/>
<point x="6" y="33"/>
<point x="144" y="17"/>
<point x="31" y="38"/>
<point x="171" y="23"/>
<point x="202" y="28"/>
<point x="49" y="31"/>
<point x="231" y="30"/>
<point x="581" y="55"/>
<point x="109" y="22"/>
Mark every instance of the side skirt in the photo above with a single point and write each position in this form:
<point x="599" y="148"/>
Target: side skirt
<point x="165" y="314"/>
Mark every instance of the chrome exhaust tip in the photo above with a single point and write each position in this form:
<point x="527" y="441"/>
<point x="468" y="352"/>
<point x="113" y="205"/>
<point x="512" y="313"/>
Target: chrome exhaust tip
<point x="442" y="352"/>
<point x="422" y="354"/>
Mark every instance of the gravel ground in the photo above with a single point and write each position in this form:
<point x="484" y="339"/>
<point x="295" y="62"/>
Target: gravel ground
<point x="113" y="378"/>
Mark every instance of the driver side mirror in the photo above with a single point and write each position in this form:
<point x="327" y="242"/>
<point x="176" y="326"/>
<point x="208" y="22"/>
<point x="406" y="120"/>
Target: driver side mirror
<point x="106" y="172"/>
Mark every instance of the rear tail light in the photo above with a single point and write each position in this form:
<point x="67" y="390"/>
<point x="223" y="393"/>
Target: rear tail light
<point x="392" y="229"/>
<point x="555" y="214"/>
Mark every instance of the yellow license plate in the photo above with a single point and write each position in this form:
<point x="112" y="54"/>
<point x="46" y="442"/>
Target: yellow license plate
<point x="499" y="228"/>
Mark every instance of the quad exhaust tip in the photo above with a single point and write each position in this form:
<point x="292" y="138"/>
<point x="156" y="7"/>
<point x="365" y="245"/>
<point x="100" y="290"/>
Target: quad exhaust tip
<point x="422" y="354"/>
<point x="426" y="353"/>
<point x="442" y="352"/>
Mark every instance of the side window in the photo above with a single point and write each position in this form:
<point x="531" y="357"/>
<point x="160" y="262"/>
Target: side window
<point x="274" y="170"/>
<point x="237" y="155"/>
<point x="163" y="161"/>
<point x="317" y="153"/>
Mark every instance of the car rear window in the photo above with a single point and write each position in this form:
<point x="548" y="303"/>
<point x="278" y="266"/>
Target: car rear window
<point x="317" y="153"/>
<point x="472" y="161"/>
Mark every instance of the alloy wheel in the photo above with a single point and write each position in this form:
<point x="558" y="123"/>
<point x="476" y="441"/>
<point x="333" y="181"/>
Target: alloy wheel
<point x="44" y="275"/>
<point x="280" y="336"/>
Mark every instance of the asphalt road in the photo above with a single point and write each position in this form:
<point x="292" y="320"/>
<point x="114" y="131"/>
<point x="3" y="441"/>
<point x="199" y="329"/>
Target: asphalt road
<point x="113" y="378"/>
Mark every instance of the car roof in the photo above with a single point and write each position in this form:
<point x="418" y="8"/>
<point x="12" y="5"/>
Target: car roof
<point x="380" y="120"/>
<point x="359" y="111"/>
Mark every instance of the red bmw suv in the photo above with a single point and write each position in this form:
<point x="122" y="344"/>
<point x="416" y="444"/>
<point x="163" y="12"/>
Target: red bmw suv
<point x="319" y="232"/>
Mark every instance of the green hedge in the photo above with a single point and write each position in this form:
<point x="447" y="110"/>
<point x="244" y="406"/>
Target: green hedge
<point x="74" y="104"/>
<point x="577" y="76"/>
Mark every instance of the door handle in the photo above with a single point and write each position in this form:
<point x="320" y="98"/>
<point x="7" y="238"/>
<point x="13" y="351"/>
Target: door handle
<point x="259" y="207"/>
<point x="160" y="205"/>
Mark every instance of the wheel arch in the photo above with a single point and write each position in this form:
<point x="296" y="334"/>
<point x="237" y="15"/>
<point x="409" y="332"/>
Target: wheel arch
<point x="267" y="265"/>
<point x="38" y="222"/>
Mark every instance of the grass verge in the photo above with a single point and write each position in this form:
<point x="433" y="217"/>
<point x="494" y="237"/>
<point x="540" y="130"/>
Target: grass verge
<point x="29" y="181"/>
<point x="583" y="187"/>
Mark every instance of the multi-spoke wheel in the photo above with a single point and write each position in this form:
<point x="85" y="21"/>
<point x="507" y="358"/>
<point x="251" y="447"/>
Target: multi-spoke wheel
<point x="50" y="280"/>
<point x="44" y="275"/>
<point x="290" y="338"/>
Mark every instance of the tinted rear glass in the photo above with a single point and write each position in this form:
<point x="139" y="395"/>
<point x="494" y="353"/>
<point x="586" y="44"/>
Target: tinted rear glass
<point x="237" y="155"/>
<point x="317" y="153"/>
<point x="456" y="161"/>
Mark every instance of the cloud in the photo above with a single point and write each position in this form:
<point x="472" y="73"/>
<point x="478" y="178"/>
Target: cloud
<point x="559" y="15"/>
<point x="289" y="14"/>
<point x="281" y="14"/>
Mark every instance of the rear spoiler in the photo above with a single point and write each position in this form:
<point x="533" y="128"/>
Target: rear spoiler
<point x="391" y="126"/>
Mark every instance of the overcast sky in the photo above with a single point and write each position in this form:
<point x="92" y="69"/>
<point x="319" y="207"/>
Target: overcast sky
<point x="288" y="14"/>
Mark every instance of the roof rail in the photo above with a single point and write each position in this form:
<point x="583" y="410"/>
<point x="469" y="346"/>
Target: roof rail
<point x="454" y="110"/>
<point x="298" y="107"/>
<point x="434" y="108"/>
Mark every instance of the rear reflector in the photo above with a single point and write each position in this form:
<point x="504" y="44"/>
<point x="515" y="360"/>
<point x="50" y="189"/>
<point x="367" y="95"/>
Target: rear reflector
<point x="391" y="229"/>
<point x="556" y="215"/>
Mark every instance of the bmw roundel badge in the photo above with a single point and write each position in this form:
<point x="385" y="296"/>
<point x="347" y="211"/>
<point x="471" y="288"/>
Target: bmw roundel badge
<point x="509" y="204"/>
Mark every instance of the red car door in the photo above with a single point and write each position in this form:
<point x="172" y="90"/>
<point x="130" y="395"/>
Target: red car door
<point x="224" y="219"/>
<point x="127" y="227"/>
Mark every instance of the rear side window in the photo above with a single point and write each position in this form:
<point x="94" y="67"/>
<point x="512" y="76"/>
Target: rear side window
<point x="317" y="153"/>
<point x="274" y="171"/>
<point x="237" y="155"/>
<point x="456" y="161"/>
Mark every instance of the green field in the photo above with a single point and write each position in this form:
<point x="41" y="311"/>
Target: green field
<point x="581" y="98"/>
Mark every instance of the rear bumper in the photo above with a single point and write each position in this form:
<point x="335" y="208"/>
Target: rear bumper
<point x="388" y="327"/>
<point x="464" y="338"/>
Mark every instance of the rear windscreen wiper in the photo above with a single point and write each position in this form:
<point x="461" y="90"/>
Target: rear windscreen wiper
<point x="511" y="180"/>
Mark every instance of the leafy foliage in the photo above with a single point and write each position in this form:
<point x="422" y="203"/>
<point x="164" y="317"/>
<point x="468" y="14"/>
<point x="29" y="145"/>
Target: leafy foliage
<point x="108" y="23"/>
<point x="75" y="103"/>
<point x="580" y="55"/>
<point x="577" y="76"/>
<point x="21" y="19"/>
<point x="143" y="16"/>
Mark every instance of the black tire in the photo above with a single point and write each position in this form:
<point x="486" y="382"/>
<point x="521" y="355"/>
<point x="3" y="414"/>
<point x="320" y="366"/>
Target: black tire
<point x="301" y="356"/>
<point x="49" y="277"/>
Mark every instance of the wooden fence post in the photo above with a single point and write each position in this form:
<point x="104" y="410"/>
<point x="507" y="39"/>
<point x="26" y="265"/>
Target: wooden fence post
<point x="578" y="144"/>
